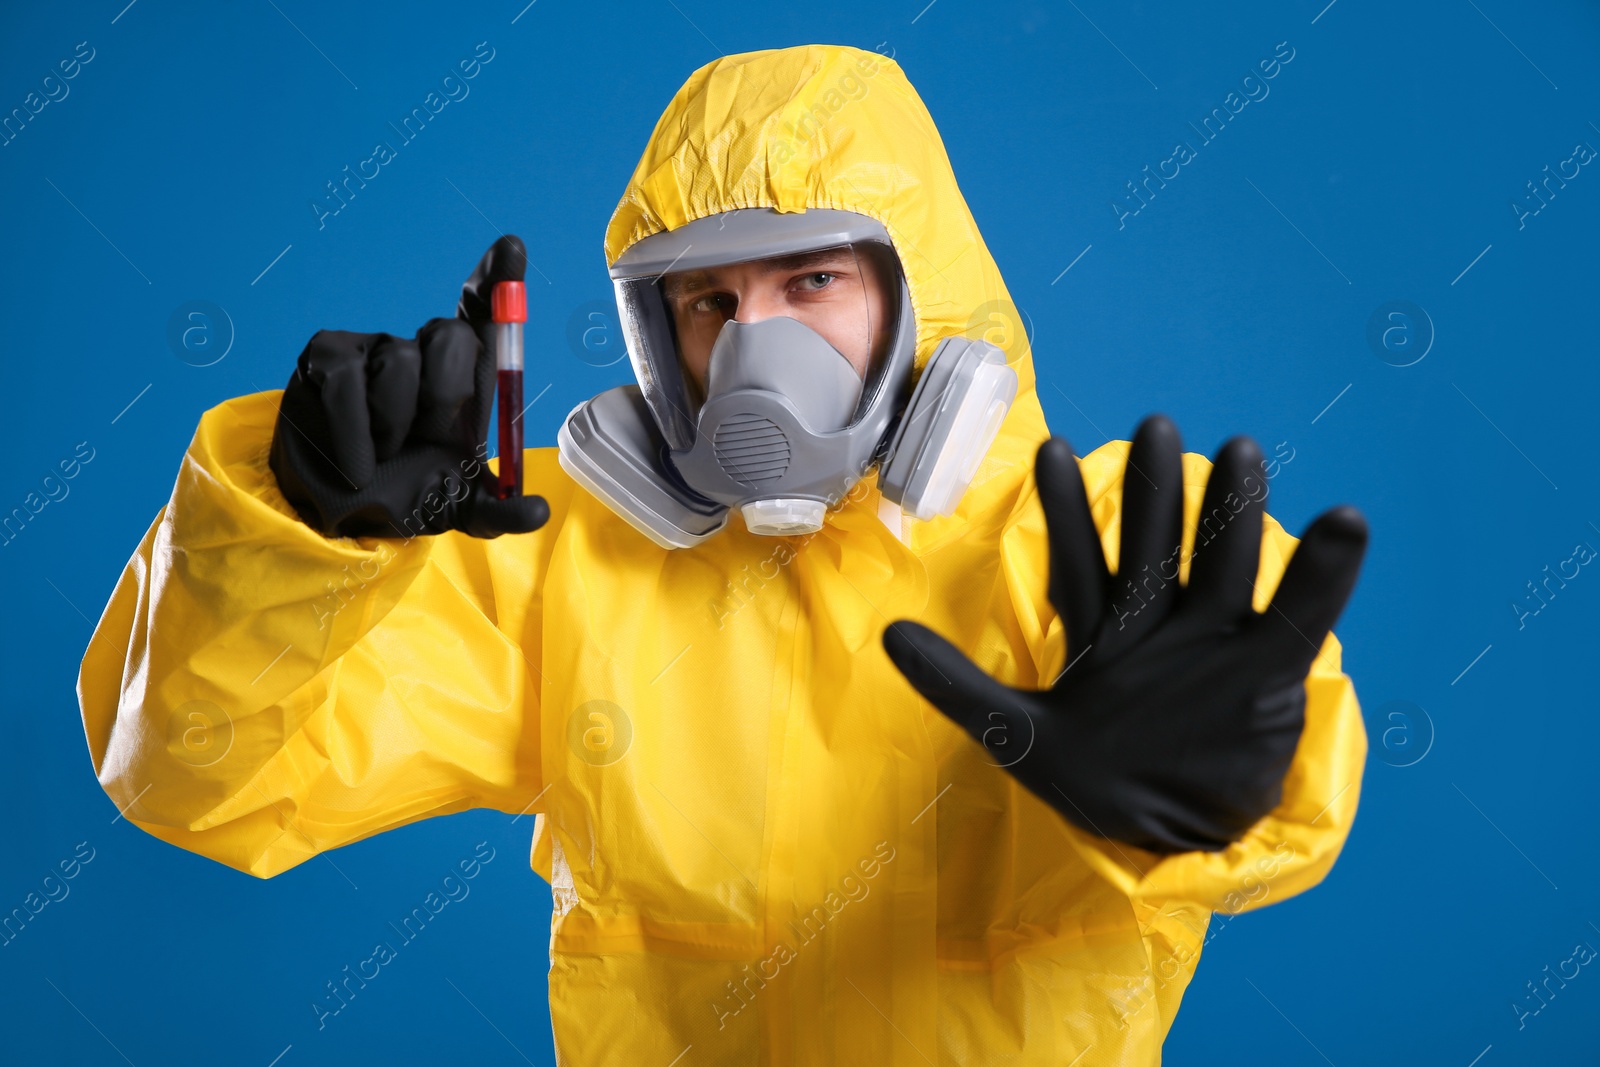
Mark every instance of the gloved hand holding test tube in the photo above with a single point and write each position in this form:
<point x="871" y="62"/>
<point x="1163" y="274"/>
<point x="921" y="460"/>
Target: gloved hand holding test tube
<point x="381" y="435"/>
<point x="510" y="310"/>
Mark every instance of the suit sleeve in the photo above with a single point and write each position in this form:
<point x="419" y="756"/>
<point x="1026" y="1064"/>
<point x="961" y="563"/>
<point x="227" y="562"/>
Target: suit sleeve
<point x="1293" y="847"/>
<point x="258" y="693"/>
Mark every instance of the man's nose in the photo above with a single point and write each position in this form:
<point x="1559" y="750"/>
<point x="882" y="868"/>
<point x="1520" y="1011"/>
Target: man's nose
<point x="753" y="306"/>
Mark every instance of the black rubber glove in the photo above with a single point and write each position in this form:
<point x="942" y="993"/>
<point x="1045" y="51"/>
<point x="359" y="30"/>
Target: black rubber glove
<point x="1177" y="716"/>
<point x="381" y="436"/>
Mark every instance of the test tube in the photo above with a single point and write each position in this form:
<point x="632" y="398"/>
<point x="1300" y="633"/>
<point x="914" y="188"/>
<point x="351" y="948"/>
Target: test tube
<point x="509" y="305"/>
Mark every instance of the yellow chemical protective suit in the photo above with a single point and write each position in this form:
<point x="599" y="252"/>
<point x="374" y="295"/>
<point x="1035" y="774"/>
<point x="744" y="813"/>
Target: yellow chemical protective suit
<point x="763" y="846"/>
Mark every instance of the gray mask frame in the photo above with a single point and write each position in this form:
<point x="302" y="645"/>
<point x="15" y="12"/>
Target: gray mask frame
<point x="630" y="445"/>
<point x="787" y="426"/>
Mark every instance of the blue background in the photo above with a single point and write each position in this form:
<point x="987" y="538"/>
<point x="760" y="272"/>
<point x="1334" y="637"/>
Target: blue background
<point x="1381" y="167"/>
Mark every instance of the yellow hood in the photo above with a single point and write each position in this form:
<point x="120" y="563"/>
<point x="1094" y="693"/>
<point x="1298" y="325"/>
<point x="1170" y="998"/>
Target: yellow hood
<point x="838" y="127"/>
<point x="825" y="126"/>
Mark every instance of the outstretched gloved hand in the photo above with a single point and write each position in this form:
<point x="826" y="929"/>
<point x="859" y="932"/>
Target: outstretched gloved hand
<point x="1177" y="716"/>
<point x="386" y="436"/>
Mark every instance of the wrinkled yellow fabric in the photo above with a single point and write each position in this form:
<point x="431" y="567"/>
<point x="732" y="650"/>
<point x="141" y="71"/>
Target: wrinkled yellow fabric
<point x="763" y="846"/>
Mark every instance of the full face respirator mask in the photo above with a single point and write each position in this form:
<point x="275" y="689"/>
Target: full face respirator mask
<point x="773" y="354"/>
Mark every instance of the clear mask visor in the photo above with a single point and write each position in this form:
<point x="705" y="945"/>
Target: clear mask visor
<point x="848" y="294"/>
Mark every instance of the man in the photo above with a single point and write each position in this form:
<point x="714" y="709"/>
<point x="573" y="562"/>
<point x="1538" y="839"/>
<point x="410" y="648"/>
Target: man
<point x="764" y="846"/>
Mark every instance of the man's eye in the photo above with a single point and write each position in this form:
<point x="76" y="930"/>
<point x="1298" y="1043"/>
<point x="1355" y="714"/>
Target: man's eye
<point x="806" y="281"/>
<point x="709" y="303"/>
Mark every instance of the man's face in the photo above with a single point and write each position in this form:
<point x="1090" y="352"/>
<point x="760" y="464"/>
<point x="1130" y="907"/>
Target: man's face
<point x="841" y="294"/>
